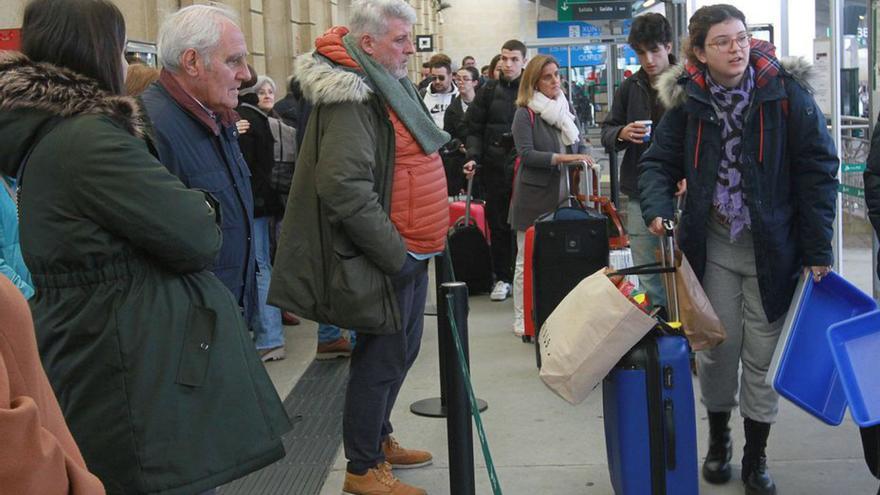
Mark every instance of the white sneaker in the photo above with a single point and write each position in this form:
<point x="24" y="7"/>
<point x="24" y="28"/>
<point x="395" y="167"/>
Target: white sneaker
<point x="501" y="291"/>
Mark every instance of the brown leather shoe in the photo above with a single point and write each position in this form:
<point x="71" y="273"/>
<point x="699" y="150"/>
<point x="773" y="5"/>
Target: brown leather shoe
<point x="401" y="458"/>
<point x="332" y="350"/>
<point x="378" y="481"/>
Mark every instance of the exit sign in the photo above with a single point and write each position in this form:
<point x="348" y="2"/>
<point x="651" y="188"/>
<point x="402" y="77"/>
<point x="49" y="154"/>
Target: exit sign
<point x="593" y="10"/>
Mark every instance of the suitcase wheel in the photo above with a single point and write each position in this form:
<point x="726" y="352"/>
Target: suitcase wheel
<point x="526" y="339"/>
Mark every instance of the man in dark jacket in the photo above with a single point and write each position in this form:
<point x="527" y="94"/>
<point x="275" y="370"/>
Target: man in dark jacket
<point x="351" y="253"/>
<point x="288" y="107"/>
<point x="490" y="144"/>
<point x="634" y="102"/>
<point x="193" y="132"/>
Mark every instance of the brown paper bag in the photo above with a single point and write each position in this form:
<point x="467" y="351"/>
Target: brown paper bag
<point x="586" y="335"/>
<point x="702" y="327"/>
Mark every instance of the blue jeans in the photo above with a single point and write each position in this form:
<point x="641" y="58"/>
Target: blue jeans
<point x="379" y="364"/>
<point x="269" y="333"/>
<point x="330" y="333"/>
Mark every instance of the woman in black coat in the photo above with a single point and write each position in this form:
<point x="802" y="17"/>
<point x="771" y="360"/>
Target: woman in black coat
<point x="258" y="148"/>
<point x="466" y="79"/>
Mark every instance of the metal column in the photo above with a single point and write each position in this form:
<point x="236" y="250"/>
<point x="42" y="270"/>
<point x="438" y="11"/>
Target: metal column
<point x="873" y="13"/>
<point x="611" y="76"/>
<point x="676" y="12"/>
<point x="836" y="30"/>
<point x="783" y="28"/>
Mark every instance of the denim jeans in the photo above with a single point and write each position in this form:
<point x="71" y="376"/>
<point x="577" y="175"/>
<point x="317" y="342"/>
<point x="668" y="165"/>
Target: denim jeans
<point x="379" y="364"/>
<point x="269" y="333"/>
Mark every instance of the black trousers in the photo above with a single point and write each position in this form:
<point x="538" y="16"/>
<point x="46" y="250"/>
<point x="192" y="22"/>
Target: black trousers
<point x="379" y="364"/>
<point x="498" y="190"/>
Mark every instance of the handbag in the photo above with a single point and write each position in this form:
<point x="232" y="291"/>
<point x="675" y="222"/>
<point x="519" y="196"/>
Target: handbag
<point x="586" y="335"/>
<point x="281" y="176"/>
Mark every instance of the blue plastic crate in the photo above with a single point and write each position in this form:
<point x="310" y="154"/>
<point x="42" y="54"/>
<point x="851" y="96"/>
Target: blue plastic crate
<point x="803" y="369"/>
<point x="855" y="347"/>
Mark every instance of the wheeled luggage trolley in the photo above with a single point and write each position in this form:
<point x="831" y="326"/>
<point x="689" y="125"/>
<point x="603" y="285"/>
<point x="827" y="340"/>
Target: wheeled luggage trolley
<point x="648" y="402"/>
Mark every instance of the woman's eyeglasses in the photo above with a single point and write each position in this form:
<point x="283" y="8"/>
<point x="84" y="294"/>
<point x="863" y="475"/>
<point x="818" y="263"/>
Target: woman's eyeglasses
<point x="720" y="44"/>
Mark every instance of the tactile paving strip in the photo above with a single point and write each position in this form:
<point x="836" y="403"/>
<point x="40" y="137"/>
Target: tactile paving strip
<point x="315" y="409"/>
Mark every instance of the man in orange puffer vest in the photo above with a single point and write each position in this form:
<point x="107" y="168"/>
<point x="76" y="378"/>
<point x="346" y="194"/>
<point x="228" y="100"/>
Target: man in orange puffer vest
<point x="367" y="210"/>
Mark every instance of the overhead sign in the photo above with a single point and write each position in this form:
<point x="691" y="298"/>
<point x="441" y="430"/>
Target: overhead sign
<point x="571" y="29"/>
<point x="10" y="39"/>
<point x="587" y="55"/>
<point x="593" y="10"/>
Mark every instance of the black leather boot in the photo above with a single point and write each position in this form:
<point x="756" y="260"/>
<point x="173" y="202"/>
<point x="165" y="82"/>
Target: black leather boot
<point x="716" y="468"/>
<point x="755" y="475"/>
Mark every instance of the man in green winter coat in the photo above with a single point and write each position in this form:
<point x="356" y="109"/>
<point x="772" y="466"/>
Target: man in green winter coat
<point x="367" y="208"/>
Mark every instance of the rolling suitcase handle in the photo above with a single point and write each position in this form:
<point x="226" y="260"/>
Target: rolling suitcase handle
<point x="667" y="253"/>
<point x="466" y="220"/>
<point x="467" y="201"/>
<point x="589" y="173"/>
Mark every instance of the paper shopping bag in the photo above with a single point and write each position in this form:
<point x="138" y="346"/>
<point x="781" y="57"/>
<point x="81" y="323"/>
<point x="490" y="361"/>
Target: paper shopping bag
<point x="586" y="335"/>
<point x="702" y="327"/>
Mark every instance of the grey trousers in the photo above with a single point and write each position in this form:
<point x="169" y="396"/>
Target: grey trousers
<point x="644" y="244"/>
<point x="731" y="283"/>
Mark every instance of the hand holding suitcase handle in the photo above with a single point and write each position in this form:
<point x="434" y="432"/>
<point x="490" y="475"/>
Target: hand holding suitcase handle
<point x="592" y="177"/>
<point x="656" y="226"/>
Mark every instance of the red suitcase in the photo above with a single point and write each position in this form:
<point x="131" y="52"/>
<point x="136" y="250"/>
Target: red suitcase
<point x="528" y="294"/>
<point x="478" y="215"/>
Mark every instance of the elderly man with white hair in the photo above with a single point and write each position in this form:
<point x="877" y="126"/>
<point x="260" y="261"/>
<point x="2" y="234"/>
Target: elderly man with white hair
<point x="367" y="210"/>
<point x="202" y="52"/>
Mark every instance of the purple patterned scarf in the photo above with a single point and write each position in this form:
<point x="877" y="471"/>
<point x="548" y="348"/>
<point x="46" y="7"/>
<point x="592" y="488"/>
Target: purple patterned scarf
<point x="730" y="104"/>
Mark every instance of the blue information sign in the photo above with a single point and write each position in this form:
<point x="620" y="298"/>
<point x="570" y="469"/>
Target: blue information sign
<point x="587" y="55"/>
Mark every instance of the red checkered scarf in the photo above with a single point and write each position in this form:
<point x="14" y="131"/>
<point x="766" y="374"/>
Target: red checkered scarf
<point x="762" y="57"/>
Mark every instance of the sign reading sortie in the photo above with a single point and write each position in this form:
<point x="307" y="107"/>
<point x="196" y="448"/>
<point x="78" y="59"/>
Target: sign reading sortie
<point x="10" y="39"/>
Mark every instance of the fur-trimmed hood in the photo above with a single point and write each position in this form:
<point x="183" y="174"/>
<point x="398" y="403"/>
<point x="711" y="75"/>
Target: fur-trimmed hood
<point x="671" y="85"/>
<point x="324" y="82"/>
<point x="33" y="92"/>
<point x="329" y="74"/>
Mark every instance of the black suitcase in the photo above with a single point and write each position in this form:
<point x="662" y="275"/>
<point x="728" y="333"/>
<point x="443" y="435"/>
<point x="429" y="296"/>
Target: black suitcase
<point x="571" y="244"/>
<point x="470" y="252"/>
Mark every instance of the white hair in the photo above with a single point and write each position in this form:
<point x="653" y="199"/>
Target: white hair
<point x="371" y="16"/>
<point x="261" y="81"/>
<point x="195" y="27"/>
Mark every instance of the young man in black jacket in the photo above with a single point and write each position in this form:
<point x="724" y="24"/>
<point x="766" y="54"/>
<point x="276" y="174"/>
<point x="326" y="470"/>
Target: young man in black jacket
<point x="490" y="144"/>
<point x="634" y="102"/>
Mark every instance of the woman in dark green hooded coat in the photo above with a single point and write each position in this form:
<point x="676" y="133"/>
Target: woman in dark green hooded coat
<point x="146" y="350"/>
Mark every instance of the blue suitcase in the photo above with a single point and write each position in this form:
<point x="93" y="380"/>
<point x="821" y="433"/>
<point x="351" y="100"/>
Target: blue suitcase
<point x="650" y="424"/>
